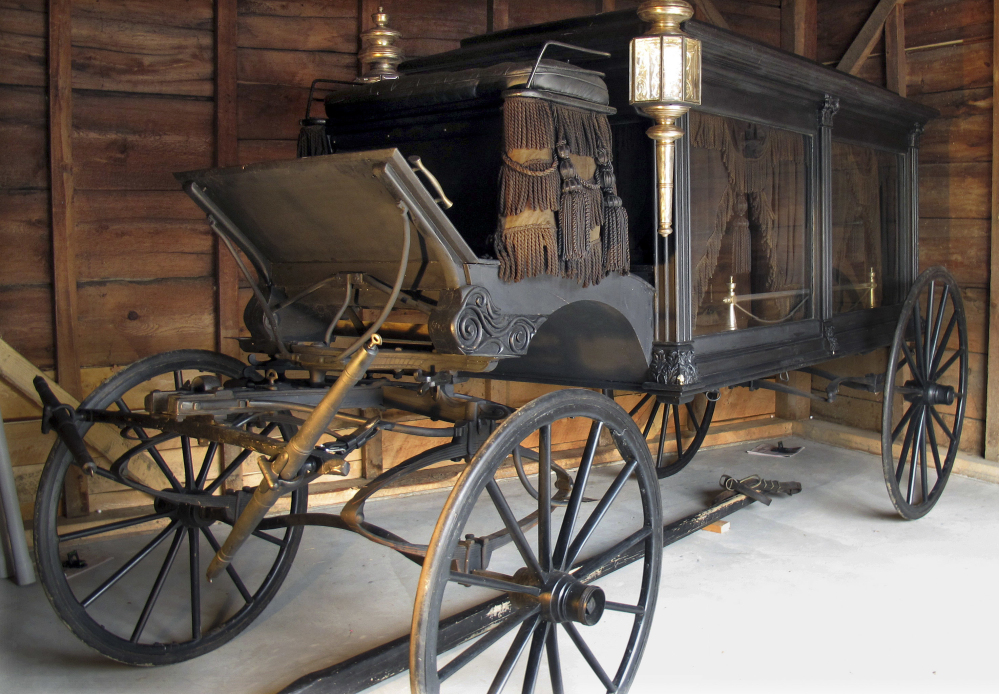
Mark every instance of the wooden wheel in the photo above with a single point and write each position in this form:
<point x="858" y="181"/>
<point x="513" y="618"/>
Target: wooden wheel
<point x="687" y="442"/>
<point x="925" y="394"/>
<point x="544" y="567"/>
<point x="143" y="599"/>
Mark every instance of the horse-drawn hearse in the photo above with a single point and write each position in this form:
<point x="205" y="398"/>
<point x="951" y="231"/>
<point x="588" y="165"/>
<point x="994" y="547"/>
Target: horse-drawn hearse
<point x="764" y="221"/>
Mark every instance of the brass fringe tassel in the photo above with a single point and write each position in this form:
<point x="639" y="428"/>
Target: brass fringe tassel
<point x="614" y="236"/>
<point x="526" y="251"/>
<point x="584" y="132"/>
<point x="534" y="185"/>
<point x="587" y="270"/>
<point x="580" y="207"/>
<point x="614" y="229"/>
<point x="528" y="124"/>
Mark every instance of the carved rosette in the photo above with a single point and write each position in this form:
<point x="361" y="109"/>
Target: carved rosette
<point x="830" y="106"/>
<point x="466" y="321"/>
<point x="673" y="366"/>
<point x="829" y="336"/>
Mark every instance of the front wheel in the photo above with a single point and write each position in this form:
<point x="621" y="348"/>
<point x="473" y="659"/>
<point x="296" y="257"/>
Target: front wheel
<point x="143" y="598"/>
<point x="544" y="566"/>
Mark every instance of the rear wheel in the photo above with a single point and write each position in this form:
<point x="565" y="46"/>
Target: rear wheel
<point x="684" y="442"/>
<point x="143" y="598"/>
<point x="926" y="388"/>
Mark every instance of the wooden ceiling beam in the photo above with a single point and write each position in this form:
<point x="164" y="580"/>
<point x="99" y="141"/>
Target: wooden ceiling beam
<point x="896" y="67"/>
<point x="860" y="50"/>
<point x="798" y="27"/>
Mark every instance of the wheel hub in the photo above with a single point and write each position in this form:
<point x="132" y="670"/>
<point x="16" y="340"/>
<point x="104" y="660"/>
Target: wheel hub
<point x="190" y="515"/>
<point x="566" y="599"/>
<point x="932" y="394"/>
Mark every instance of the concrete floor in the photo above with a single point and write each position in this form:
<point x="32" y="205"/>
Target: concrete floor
<point x="825" y="591"/>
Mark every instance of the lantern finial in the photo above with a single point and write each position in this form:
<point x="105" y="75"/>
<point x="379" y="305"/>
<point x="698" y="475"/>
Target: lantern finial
<point x="665" y="71"/>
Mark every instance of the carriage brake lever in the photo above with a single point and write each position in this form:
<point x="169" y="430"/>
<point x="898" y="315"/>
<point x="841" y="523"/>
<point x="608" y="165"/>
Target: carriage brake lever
<point x="418" y="167"/>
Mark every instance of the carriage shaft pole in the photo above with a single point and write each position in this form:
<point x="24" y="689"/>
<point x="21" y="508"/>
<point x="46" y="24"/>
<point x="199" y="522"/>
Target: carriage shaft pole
<point x="288" y="464"/>
<point x="367" y="669"/>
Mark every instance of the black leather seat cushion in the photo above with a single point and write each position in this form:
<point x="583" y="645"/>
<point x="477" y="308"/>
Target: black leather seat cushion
<point x="442" y="88"/>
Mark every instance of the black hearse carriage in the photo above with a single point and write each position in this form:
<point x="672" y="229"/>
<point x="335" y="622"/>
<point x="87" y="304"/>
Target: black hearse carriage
<point x="794" y="210"/>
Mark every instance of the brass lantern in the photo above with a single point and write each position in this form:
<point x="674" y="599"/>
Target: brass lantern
<point x="665" y="72"/>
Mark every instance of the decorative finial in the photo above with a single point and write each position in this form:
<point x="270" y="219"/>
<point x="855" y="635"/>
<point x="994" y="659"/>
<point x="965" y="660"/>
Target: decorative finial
<point x="379" y="56"/>
<point x="665" y="71"/>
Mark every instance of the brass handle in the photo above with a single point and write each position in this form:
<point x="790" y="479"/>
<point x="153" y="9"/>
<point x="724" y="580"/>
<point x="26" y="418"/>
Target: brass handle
<point x="420" y="168"/>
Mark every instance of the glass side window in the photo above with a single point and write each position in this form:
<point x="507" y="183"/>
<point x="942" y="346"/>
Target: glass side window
<point x="865" y="227"/>
<point x="749" y="224"/>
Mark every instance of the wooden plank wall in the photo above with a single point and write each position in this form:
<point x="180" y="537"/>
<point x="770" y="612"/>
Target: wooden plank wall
<point x="143" y="106"/>
<point x="949" y="55"/>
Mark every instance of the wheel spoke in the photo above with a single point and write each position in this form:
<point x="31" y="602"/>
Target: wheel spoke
<point x="662" y="436"/>
<point x="620" y="607"/>
<point x="598" y="513"/>
<point x="534" y="656"/>
<point x="545" y="498"/>
<point x="677" y="431"/>
<point x="928" y="343"/>
<point x="576" y="497"/>
<point x="917" y="443"/>
<point x="513" y="655"/>
<point x="917" y="330"/>
<point x="909" y="432"/>
<point x="185" y="447"/>
<point x="946" y="430"/>
<point x="554" y="663"/>
<point x="129" y="565"/>
<point x="154" y="594"/>
<point x="108" y="527"/>
<point x="922" y="460"/>
<point x="505" y="584"/>
<point x="943" y="343"/>
<point x="588" y="656"/>
<point x="902" y="422"/>
<point x="947" y="364"/>
<point x="931" y="430"/>
<point x="237" y="581"/>
<point x="206" y="465"/>
<point x="913" y="364"/>
<point x="640" y="405"/>
<point x="652" y="419"/>
<point x="230" y="468"/>
<point x="153" y="453"/>
<point x="692" y="415"/>
<point x="267" y="537"/>
<point x="195" y="555"/>
<point x="937" y="324"/>
<point x="480" y="646"/>
<point x="510" y="521"/>
<point x="594" y="564"/>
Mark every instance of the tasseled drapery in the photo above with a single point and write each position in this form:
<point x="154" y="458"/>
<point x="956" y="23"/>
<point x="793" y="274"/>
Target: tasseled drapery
<point x="557" y="160"/>
<point x="762" y="168"/>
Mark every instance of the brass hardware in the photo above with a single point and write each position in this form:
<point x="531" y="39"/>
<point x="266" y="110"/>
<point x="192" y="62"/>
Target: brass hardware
<point x="379" y="56"/>
<point x="665" y="81"/>
<point x="872" y="280"/>
<point x="731" y="300"/>
<point x="418" y="167"/>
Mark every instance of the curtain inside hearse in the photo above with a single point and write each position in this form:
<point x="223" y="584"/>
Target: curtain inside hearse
<point x="749" y="219"/>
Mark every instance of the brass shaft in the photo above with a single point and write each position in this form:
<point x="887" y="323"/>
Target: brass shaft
<point x="289" y="462"/>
